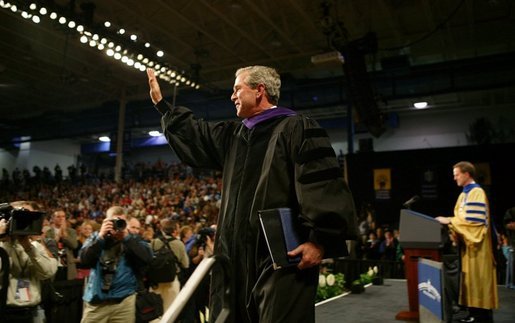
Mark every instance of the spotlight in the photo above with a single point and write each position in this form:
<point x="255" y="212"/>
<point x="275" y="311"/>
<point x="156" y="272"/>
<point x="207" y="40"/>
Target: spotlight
<point x="420" y="105"/>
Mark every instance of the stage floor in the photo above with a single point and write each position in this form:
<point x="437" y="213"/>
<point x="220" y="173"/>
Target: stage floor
<point x="381" y="304"/>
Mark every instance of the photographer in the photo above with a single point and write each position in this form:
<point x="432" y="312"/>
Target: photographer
<point x="202" y="248"/>
<point x="29" y="263"/>
<point x="116" y="258"/>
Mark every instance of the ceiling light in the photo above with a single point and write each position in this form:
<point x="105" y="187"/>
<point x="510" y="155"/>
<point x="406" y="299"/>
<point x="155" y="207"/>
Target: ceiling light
<point x="134" y="37"/>
<point x="80" y="28"/>
<point x="104" y="139"/>
<point x="160" y="53"/>
<point x="420" y="105"/>
<point x="110" y="52"/>
<point x="83" y="39"/>
<point x="147" y="45"/>
<point x="154" y="133"/>
<point x="107" y="24"/>
<point x="53" y="16"/>
<point x="43" y="11"/>
<point x="121" y="31"/>
<point x="62" y="20"/>
<point x="71" y="24"/>
<point x="36" y="19"/>
<point x="32" y="6"/>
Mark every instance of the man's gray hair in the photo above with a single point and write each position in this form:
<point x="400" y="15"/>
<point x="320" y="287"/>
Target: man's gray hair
<point x="115" y="211"/>
<point x="263" y="75"/>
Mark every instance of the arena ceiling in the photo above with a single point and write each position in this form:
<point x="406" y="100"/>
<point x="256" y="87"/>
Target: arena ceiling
<point x="452" y="53"/>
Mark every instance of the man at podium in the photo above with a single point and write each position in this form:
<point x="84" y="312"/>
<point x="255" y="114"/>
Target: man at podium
<point x="470" y="229"/>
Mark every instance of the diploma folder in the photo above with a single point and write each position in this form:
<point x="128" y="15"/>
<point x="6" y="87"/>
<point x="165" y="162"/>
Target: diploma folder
<point x="282" y="232"/>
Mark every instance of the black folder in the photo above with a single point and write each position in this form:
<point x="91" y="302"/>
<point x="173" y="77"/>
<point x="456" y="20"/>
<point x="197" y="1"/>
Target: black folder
<point x="283" y="232"/>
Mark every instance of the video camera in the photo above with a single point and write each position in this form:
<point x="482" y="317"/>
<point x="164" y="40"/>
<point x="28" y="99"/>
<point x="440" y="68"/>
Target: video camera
<point x="21" y="221"/>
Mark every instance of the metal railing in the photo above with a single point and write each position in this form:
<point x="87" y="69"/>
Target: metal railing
<point x="187" y="291"/>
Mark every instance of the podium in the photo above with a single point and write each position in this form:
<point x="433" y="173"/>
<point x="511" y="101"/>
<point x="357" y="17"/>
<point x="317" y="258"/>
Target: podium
<point x="421" y="236"/>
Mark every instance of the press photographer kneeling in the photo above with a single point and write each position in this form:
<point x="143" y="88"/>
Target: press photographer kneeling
<point x="29" y="262"/>
<point x="116" y="259"/>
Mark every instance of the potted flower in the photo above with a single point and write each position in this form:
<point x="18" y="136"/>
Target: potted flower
<point x="329" y="285"/>
<point x="370" y="277"/>
<point x="376" y="278"/>
<point x="357" y="287"/>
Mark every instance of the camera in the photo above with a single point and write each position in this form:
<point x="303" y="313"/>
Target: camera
<point x="108" y="264"/>
<point x="119" y="224"/>
<point x="203" y="234"/>
<point x="21" y="221"/>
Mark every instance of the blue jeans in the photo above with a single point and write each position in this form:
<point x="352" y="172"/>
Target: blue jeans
<point x="508" y="253"/>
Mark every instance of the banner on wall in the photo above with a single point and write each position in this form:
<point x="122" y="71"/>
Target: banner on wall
<point x="429" y="187"/>
<point x="382" y="183"/>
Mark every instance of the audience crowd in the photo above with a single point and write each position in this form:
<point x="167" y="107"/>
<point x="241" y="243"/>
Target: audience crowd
<point x="153" y="193"/>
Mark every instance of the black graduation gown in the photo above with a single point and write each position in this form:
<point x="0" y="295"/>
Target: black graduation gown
<point x="299" y="170"/>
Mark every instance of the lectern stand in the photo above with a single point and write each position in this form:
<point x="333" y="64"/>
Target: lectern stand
<point x="420" y="237"/>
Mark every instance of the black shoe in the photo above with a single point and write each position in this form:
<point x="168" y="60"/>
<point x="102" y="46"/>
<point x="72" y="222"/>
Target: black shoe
<point x="474" y="319"/>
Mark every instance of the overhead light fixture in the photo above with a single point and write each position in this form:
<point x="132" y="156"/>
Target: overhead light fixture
<point x="154" y="133"/>
<point x="132" y="53"/>
<point x="420" y="105"/>
<point x="104" y="139"/>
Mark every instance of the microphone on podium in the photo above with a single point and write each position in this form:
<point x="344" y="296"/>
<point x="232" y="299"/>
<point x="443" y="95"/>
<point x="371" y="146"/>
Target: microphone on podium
<point x="411" y="201"/>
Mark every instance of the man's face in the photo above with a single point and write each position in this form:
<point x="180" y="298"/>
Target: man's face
<point x="59" y="218"/>
<point x="244" y="98"/>
<point x="134" y="226"/>
<point x="461" y="178"/>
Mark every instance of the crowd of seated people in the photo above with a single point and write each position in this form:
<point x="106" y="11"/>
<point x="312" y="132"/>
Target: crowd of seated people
<point x="149" y="193"/>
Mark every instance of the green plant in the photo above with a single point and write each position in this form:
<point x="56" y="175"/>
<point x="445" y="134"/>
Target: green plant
<point x="330" y="285"/>
<point x="366" y="278"/>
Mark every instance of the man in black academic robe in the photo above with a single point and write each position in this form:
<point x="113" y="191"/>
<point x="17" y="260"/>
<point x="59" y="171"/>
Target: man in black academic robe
<point x="274" y="158"/>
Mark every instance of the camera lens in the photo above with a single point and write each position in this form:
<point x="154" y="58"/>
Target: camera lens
<point x="119" y="224"/>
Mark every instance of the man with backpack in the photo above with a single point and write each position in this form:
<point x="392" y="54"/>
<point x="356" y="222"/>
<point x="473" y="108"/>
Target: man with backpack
<point x="159" y="278"/>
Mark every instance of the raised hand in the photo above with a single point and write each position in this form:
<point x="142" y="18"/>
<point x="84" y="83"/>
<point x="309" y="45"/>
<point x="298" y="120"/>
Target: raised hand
<point x="155" y="90"/>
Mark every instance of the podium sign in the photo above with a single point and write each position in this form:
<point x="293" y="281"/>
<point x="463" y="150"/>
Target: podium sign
<point x="421" y="237"/>
<point x="430" y="291"/>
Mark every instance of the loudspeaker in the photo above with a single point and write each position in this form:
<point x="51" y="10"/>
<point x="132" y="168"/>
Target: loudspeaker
<point x="359" y="89"/>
